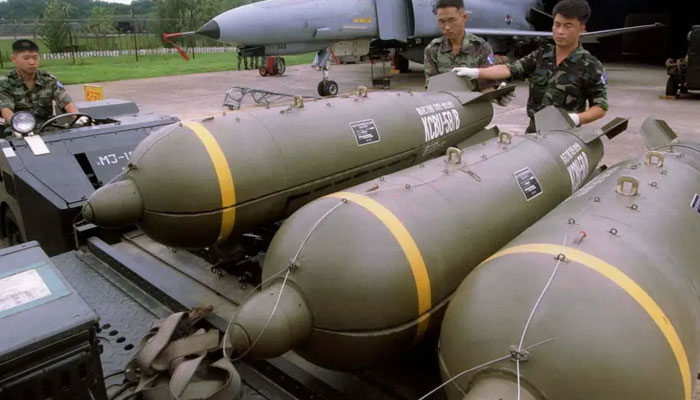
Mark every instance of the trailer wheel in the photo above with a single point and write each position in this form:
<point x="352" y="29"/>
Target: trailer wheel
<point x="280" y="65"/>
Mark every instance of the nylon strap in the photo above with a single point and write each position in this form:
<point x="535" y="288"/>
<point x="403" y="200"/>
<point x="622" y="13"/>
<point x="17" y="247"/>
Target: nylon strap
<point x="165" y="370"/>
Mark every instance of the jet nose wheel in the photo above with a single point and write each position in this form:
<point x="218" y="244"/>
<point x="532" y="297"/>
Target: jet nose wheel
<point x="327" y="88"/>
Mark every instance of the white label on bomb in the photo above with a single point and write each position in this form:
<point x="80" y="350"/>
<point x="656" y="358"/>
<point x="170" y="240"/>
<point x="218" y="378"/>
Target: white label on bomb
<point x="440" y="124"/>
<point x="439" y="119"/>
<point x="577" y="165"/>
<point x="578" y="170"/>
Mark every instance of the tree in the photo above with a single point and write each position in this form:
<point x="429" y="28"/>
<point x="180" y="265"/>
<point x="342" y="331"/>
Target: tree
<point x="56" y="30"/>
<point x="186" y="15"/>
<point x="100" y="22"/>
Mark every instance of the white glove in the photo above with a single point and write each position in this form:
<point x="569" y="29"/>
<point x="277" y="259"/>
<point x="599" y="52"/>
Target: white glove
<point x="81" y="122"/>
<point x="472" y="73"/>
<point x="574" y="117"/>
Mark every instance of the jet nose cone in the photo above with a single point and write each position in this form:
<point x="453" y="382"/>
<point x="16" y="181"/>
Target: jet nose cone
<point x="210" y="29"/>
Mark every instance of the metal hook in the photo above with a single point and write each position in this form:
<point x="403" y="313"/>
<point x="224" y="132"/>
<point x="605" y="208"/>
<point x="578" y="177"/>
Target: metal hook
<point x="454" y="153"/>
<point x="633" y="188"/>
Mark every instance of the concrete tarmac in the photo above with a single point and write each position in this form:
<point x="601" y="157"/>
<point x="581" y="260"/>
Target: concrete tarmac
<point x="634" y="91"/>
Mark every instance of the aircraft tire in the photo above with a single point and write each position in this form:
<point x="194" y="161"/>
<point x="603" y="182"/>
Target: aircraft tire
<point x="331" y="88"/>
<point x="322" y="89"/>
<point x="262" y="71"/>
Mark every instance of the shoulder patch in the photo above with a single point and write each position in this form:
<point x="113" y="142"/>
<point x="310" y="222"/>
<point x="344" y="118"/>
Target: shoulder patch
<point x="604" y="78"/>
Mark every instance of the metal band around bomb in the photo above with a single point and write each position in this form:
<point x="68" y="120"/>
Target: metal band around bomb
<point x="223" y="174"/>
<point x="409" y="247"/>
<point x="625" y="283"/>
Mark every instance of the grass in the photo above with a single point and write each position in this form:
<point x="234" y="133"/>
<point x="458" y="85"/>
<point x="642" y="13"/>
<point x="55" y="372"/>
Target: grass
<point x="101" y="69"/>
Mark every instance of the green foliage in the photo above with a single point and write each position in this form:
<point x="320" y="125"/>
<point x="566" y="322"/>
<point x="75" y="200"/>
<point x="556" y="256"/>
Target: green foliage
<point x="55" y="31"/>
<point x="100" y="22"/>
<point x="187" y="15"/>
<point x="31" y="10"/>
<point x="22" y="9"/>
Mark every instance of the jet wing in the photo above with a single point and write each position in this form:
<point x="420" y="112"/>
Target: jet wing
<point x="592" y="37"/>
<point x="586" y="37"/>
<point x="486" y="32"/>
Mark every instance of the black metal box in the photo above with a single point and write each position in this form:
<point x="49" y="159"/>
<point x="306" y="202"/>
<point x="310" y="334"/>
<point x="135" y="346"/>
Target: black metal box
<point x="48" y="342"/>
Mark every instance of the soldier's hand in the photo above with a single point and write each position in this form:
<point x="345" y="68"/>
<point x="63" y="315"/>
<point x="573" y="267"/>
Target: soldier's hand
<point x="472" y="73"/>
<point x="574" y="117"/>
<point x="80" y="122"/>
<point x="506" y="98"/>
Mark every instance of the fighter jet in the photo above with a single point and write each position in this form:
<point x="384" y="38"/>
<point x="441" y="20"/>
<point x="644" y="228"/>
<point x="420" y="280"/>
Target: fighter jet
<point x="369" y="27"/>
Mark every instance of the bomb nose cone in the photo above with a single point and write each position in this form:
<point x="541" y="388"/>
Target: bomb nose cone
<point x="497" y="388"/>
<point x="272" y="328"/>
<point x="113" y="206"/>
<point x="210" y="29"/>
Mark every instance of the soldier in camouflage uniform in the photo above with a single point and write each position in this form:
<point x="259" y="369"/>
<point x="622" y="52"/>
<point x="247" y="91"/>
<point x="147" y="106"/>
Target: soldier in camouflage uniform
<point x="26" y="88"/>
<point x="456" y="48"/>
<point x="577" y="80"/>
<point x="562" y="74"/>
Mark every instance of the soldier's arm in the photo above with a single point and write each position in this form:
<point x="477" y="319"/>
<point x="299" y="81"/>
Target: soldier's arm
<point x="487" y="61"/>
<point x="592" y="114"/>
<point x="520" y="69"/>
<point x="430" y="68"/>
<point x="524" y="67"/>
<point x="63" y="100"/>
<point x="7" y="103"/>
<point x="494" y="73"/>
<point x="596" y="94"/>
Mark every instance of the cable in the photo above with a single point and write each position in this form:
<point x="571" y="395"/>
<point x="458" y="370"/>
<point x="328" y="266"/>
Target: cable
<point x="288" y="270"/>
<point x="269" y="318"/>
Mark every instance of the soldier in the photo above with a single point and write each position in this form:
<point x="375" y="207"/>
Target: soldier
<point x="456" y="47"/>
<point x="562" y="74"/>
<point x="26" y="88"/>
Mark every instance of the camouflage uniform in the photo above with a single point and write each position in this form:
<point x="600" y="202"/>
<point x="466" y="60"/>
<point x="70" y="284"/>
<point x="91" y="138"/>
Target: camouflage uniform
<point x="476" y="53"/>
<point x="15" y="95"/>
<point x="580" y="78"/>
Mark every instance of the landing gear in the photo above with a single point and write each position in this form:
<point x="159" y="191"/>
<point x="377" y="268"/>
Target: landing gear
<point x="327" y="88"/>
<point x="322" y="62"/>
<point x="400" y="63"/>
<point x="671" y="86"/>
